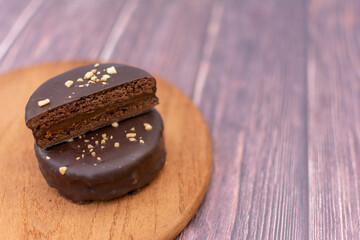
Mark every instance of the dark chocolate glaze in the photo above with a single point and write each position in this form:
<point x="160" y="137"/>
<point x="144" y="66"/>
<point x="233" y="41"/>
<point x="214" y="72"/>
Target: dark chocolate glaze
<point x="121" y="169"/>
<point x="55" y="90"/>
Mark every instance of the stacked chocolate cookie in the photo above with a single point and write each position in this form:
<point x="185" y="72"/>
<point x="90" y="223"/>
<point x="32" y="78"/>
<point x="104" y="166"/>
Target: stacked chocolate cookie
<point x="97" y="136"/>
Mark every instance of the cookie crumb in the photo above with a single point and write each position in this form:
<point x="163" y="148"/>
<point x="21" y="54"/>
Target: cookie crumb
<point x="116" y="144"/>
<point x="131" y="135"/>
<point x="89" y="75"/>
<point x="69" y="83"/>
<point x="111" y="70"/>
<point x="62" y="170"/>
<point x="115" y="124"/>
<point x="48" y="158"/>
<point x="43" y="102"/>
<point x="147" y="126"/>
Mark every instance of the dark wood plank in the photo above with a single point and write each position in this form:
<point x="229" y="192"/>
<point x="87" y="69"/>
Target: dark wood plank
<point x="165" y="37"/>
<point x="14" y="17"/>
<point x="63" y="30"/>
<point x="334" y="119"/>
<point x="254" y="101"/>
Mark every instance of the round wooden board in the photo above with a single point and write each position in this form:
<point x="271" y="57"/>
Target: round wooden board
<point x="30" y="209"/>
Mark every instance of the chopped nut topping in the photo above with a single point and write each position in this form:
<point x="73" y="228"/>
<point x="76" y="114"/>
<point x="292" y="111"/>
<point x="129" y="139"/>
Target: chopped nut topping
<point x="103" y="79"/>
<point x="103" y="135"/>
<point x="90" y="146"/>
<point x="95" y="164"/>
<point x="103" y="141"/>
<point x="131" y="135"/>
<point x="102" y="147"/>
<point x="48" y="158"/>
<point x="96" y="142"/>
<point x="98" y="158"/>
<point x="111" y="70"/>
<point x="93" y="70"/>
<point x="82" y="155"/>
<point x="43" y="102"/>
<point x="69" y="83"/>
<point x="86" y="140"/>
<point x="132" y="129"/>
<point x="86" y="85"/>
<point x="62" y="170"/>
<point x="132" y="139"/>
<point x="103" y="83"/>
<point x="69" y="96"/>
<point x="91" y="149"/>
<point x="81" y="85"/>
<point x="89" y="75"/>
<point x="83" y="151"/>
<point x="93" y="78"/>
<point x="147" y="126"/>
<point x="141" y="141"/>
<point x="93" y="154"/>
<point x="97" y="80"/>
<point x="70" y="140"/>
<point x="116" y="144"/>
<point x="106" y="76"/>
<point x="111" y="137"/>
<point x="80" y="80"/>
<point x="80" y="137"/>
<point x="115" y="124"/>
<point x="78" y="158"/>
<point x="98" y="72"/>
<point x="96" y="65"/>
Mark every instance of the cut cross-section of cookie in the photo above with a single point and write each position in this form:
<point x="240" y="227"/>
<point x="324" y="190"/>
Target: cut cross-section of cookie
<point x="106" y="93"/>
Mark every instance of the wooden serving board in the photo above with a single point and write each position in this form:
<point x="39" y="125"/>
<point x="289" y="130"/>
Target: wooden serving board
<point x="30" y="209"/>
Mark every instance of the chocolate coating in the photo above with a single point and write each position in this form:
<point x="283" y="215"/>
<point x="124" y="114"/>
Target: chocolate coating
<point x="55" y="90"/>
<point x="121" y="169"/>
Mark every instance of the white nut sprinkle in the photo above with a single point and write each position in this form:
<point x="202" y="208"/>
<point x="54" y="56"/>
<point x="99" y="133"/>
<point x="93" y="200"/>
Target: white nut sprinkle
<point x="69" y="83"/>
<point x="82" y="155"/>
<point x="132" y="129"/>
<point x="103" y="83"/>
<point x="81" y="85"/>
<point x="77" y="158"/>
<point x="98" y="72"/>
<point x="98" y="158"/>
<point x="116" y="144"/>
<point x="96" y="65"/>
<point x="106" y="76"/>
<point x="111" y="137"/>
<point x="86" y="140"/>
<point x="70" y="140"/>
<point x="132" y="139"/>
<point x="103" y="141"/>
<point x="103" y="135"/>
<point x="62" y="170"/>
<point x="90" y="146"/>
<point x="111" y="70"/>
<point x="80" y="80"/>
<point x="93" y="78"/>
<point x="147" y="126"/>
<point x="141" y="141"/>
<point x="103" y="79"/>
<point x="43" y="102"/>
<point x="91" y="149"/>
<point x="131" y="135"/>
<point x="93" y="154"/>
<point x="48" y="158"/>
<point x="89" y="75"/>
<point x="102" y="147"/>
<point x="96" y="142"/>
<point x="115" y="124"/>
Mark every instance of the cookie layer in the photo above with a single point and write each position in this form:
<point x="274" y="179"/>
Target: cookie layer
<point x="106" y="163"/>
<point x="88" y="98"/>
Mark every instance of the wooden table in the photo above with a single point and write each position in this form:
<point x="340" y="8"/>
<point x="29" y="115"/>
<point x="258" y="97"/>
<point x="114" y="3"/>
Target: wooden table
<point x="278" y="82"/>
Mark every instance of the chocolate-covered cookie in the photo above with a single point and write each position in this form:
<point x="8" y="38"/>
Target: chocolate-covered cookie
<point x="106" y="163"/>
<point x="88" y="98"/>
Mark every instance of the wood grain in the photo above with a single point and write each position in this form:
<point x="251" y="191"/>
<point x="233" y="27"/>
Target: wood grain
<point x="63" y="30"/>
<point x="29" y="209"/>
<point x="334" y="119"/>
<point x="254" y="101"/>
